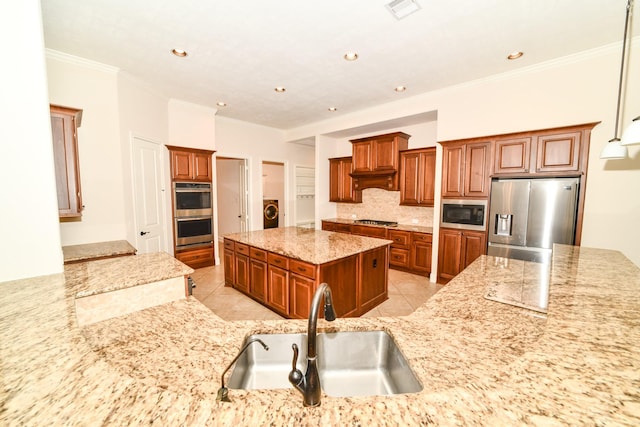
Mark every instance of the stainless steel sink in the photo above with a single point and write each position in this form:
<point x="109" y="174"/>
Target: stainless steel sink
<point x="349" y="364"/>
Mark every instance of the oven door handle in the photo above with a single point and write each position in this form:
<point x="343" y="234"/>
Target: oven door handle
<point x="193" y="218"/>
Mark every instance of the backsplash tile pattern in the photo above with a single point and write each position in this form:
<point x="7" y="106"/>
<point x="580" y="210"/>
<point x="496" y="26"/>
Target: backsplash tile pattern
<point x="384" y="205"/>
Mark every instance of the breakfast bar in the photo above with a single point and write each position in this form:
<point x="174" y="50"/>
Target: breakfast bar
<point x="282" y="267"/>
<point x="480" y="362"/>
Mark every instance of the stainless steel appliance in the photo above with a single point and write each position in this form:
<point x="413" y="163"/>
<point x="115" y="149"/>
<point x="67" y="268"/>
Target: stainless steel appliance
<point x="193" y="231"/>
<point x="527" y="216"/>
<point x="377" y="222"/>
<point x="192" y="199"/>
<point x="464" y="214"/>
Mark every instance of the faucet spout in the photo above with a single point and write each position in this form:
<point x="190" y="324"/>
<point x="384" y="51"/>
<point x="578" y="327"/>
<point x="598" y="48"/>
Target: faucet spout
<point x="309" y="383"/>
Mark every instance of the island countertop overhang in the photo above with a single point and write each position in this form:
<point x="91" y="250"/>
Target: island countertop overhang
<point x="313" y="246"/>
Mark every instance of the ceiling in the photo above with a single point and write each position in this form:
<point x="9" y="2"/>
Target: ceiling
<point x="239" y="51"/>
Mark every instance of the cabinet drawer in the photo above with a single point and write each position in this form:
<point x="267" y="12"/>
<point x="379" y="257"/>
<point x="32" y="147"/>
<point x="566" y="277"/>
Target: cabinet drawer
<point x="421" y="237"/>
<point x="228" y="244"/>
<point x="259" y="254"/>
<point x="399" y="257"/>
<point x="400" y="238"/>
<point x="367" y="231"/>
<point x="302" y="268"/>
<point x="243" y="249"/>
<point x="198" y="255"/>
<point x="278" y="260"/>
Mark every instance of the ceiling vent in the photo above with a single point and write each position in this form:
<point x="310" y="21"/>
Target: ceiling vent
<point x="402" y="8"/>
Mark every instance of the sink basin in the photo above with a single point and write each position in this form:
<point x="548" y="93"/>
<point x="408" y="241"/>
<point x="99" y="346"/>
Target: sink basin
<point x="349" y="364"/>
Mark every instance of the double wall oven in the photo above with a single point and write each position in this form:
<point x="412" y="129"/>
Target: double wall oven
<point x="193" y="214"/>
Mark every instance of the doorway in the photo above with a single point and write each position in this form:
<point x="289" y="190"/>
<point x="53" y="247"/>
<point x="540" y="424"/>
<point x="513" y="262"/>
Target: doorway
<point x="233" y="195"/>
<point x="273" y="190"/>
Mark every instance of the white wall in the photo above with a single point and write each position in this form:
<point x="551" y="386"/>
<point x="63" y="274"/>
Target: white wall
<point x="29" y="214"/>
<point x="92" y="87"/>
<point x="578" y="89"/>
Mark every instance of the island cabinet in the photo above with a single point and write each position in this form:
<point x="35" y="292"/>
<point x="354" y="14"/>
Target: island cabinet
<point x="466" y="168"/>
<point x="286" y="285"/>
<point x="340" y="181"/>
<point x="417" y="177"/>
<point x="458" y="249"/>
<point x="64" y="132"/>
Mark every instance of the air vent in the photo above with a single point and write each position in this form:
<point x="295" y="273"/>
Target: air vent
<point x="402" y="8"/>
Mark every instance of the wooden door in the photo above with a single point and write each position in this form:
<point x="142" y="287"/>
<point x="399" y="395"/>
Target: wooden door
<point x="258" y="282"/>
<point x="301" y="293"/>
<point x="278" y="289"/>
<point x="512" y="156"/>
<point x="242" y="278"/>
<point x="449" y="254"/>
<point x="409" y="177"/>
<point x="477" y="172"/>
<point x="474" y="244"/>
<point x="453" y="171"/>
<point x="558" y="153"/>
<point x="202" y="167"/>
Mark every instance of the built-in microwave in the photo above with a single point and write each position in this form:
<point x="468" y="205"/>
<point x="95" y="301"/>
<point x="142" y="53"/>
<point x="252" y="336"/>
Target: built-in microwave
<point x="464" y="214"/>
<point x="192" y="199"/>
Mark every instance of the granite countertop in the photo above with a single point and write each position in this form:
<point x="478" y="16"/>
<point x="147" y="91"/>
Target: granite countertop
<point x="89" y="251"/>
<point x="313" y="246"/>
<point x="480" y="362"/>
<point x="405" y="227"/>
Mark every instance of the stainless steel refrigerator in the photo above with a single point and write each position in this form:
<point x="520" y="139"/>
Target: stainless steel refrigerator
<point x="527" y="216"/>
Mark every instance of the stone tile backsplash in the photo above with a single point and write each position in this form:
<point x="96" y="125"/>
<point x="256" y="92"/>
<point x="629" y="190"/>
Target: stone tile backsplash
<point x="384" y="205"/>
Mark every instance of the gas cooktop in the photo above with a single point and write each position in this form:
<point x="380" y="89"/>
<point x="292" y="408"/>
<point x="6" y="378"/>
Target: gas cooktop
<point x="376" y="222"/>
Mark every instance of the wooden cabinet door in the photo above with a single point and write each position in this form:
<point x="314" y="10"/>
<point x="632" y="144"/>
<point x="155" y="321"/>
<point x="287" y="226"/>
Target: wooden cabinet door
<point x="335" y="184"/>
<point x="373" y="281"/>
<point x="341" y="183"/>
<point x="453" y="171"/>
<point x="427" y="177"/>
<point x="449" y="254"/>
<point x="229" y="267"/>
<point x="202" y="167"/>
<point x="64" y="124"/>
<point x="385" y="154"/>
<point x="421" y="249"/>
<point x="512" y="156"/>
<point x="242" y="278"/>
<point x="278" y="289"/>
<point x="409" y="176"/>
<point x="258" y="282"/>
<point x="363" y="156"/>
<point x="181" y="165"/>
<point x="301" y="294"/>
<point x="474" y="244"/>
<point x="477" y="165"/>
<point x="558" y="153"/>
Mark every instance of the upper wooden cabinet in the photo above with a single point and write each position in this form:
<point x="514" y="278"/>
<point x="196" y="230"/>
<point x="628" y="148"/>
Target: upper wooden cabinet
<point x="559" y="151"/>
<point x="340" y="182"/>
<point x="466" y="169"/>
<point x="417" y="177"/>
<point x="190" y="164"/>
<point x="376" y="160"/>
<point x="64" y="124"/>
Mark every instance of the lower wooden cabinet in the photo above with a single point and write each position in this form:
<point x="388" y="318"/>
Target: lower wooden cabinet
<point x="197" y="257"/>
<point x="301" y="293"/>
<point x="241" y="281"/>
<point x="258" y="279"/>
<point x="229" y="266"/>
<point x="278" y="290"/>
<point x="458" y="249"/>
<point x="421" y="250"/>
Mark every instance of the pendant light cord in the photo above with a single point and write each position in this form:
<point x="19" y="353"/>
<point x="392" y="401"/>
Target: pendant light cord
<point x="624" y="54"/>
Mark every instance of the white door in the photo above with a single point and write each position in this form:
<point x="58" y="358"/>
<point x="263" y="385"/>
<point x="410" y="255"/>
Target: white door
<point x="244" y="194"/>
<point x="148" y="196"/>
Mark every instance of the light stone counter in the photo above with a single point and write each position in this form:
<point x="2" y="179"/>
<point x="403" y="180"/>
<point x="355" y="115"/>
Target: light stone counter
<point x="313" y="246"/>
<point x="481" y="362"/>
<point x="93" y="251"/>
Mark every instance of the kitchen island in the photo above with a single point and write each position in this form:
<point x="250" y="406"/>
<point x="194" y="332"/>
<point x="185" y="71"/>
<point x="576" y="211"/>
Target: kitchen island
<point x="282" y="267"/>
<point x="480" y="362"/>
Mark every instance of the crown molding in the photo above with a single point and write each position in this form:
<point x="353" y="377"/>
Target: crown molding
<point x="76" y="60"/>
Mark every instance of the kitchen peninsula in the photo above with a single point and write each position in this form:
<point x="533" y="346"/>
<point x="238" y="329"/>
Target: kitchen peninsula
<point x="282" y="267"/>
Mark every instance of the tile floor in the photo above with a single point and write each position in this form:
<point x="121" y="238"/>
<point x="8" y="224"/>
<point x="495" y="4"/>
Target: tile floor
<point x="406" y="293"/>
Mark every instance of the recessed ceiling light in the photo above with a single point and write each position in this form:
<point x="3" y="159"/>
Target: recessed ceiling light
<point x="279" y="89"/>
<point x="179" y="52"/>
<point x="400" y="88"/>
<point x="332" y="108"/>
<point x="221" y="104"/>
<point x="350" y="56"/>
<point x="515" y="55"/>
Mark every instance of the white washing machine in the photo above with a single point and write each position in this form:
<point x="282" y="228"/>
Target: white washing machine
<point x="271" y="213"/>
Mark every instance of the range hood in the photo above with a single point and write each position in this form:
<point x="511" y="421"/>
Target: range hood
<point x="376" y="161"/>
<point x="378" y="179"/>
